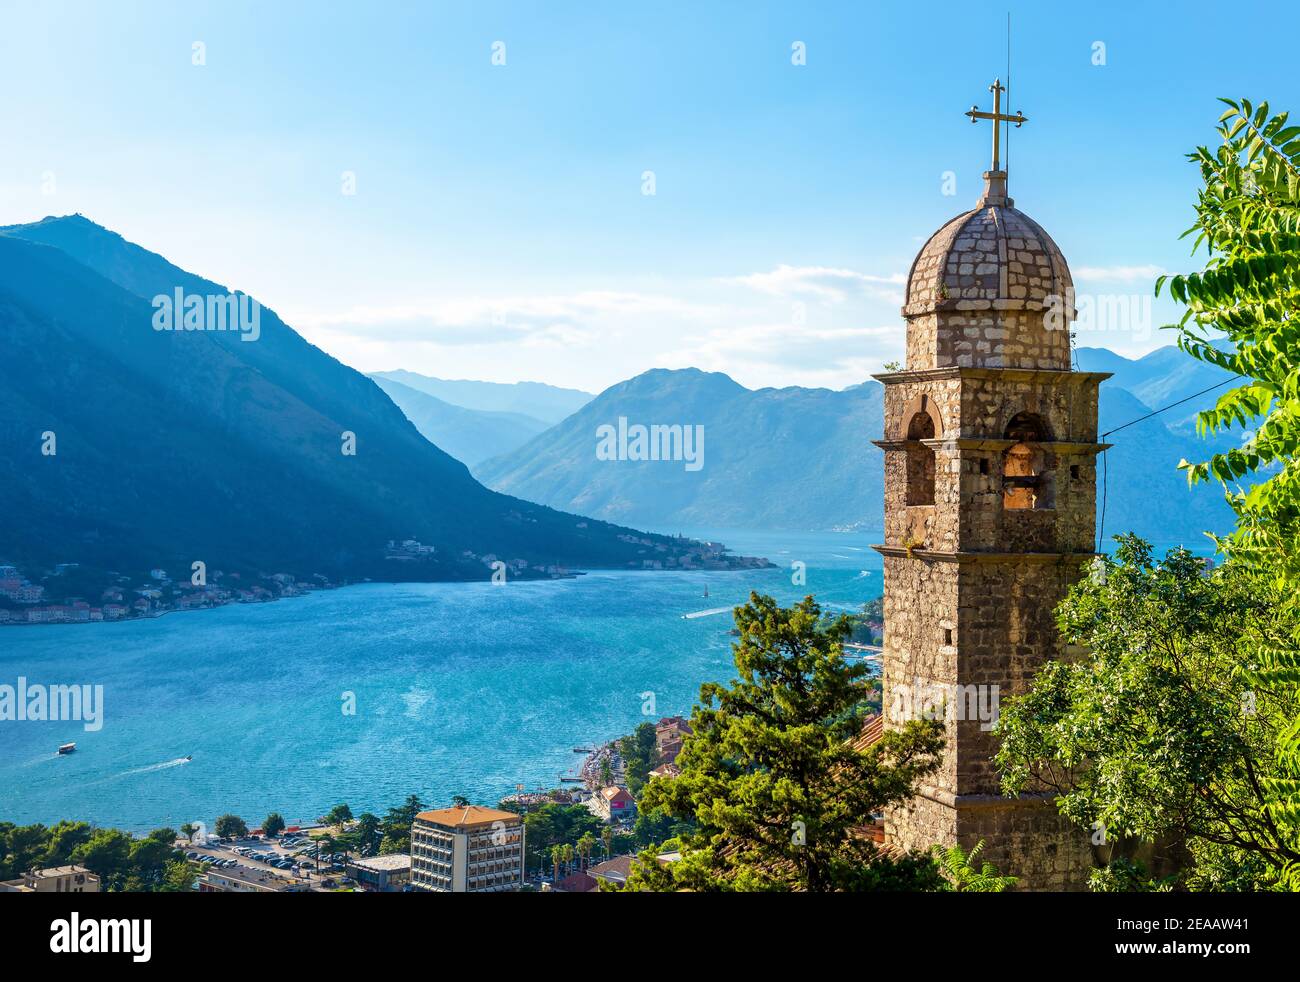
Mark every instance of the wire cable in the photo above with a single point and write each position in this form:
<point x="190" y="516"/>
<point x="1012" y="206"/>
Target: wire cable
<point x="1101" y="525"/>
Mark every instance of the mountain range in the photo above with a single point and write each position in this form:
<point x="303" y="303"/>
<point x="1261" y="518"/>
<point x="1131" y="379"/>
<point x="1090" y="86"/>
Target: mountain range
<point x="470" y="435"/>
<point x="791" y="458"/>
<point x="128" y="447"/>
<point x="801" y="458"/>
<point x="547" y="403"/>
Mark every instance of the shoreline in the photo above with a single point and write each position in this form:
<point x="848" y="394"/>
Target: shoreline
<point x="155" y="615"/>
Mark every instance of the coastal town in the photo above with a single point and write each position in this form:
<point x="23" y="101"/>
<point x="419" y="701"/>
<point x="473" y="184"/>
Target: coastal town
<point x="580" y="839"/>
<point x="52" y="600"/>
<point x="67" y="593"/>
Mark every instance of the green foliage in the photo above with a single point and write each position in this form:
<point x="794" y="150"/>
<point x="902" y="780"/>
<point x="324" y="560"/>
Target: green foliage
<point x="639" y="756"/>
<point x="555" y="825"/>
<point x="178" y="877"/>
<point x="120" y="860"/>
<point x="1248" y="219"/>
<point x="338" y="815"/>
<point x="655" y="827"/>
<point x="396" y="825"/>
<point x="776" y="790"/>
<point x="959" y="867"/>
<point x="1163" y="731"/>
<point x="230" y="826"/>
<point x="273" y="824"/>
<point x="1124" y="876"/>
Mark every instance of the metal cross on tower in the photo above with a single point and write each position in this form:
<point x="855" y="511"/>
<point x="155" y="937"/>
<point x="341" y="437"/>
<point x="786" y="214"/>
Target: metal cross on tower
<point x="997" y="116"/>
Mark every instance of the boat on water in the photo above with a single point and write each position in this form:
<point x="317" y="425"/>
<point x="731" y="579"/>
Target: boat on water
<point x="67" y="748"/>
<point x="189" y="756"/>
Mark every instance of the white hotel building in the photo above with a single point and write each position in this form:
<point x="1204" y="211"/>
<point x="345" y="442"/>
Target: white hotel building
<point x="467" y="850"/>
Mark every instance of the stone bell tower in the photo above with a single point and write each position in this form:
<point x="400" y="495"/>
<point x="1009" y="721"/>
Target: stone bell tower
<point x="990" y="495"/>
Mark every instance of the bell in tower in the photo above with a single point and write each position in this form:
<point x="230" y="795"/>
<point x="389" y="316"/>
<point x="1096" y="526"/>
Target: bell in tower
<point x="990" y="511"/>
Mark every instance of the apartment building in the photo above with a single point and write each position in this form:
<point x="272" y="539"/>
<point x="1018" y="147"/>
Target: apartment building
<point x="386" y="874"/>
<point x="467" y="850"/>
<point x="57" y="879"/>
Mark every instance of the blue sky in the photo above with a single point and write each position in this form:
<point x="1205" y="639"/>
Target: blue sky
<point x="499" y="228"/>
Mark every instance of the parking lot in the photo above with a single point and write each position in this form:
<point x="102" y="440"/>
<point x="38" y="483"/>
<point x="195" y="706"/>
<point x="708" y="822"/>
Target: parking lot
<point x="290" y="857"/>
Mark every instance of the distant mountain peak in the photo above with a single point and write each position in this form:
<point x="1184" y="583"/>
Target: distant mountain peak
<point x="265" y="456"/>
<point x="76" y="219"/>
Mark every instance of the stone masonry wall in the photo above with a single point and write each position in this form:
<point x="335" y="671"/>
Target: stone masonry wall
<point x="1026" y="838"/>
<point x="921" y="603"/>
<point x="1006" y="630"/>
<point x="972" y="414"/>
<point x="989" y="289"/>
<point x="987" y="334"/>
<point x="961" y="637"/>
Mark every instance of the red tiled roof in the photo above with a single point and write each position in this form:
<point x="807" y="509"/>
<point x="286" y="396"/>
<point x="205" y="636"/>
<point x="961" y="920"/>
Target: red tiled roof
<point x="617" y="868"/>
<point x="577" y="883"/>
<point x="467" y="817"/>
<point x="872" y="730"/>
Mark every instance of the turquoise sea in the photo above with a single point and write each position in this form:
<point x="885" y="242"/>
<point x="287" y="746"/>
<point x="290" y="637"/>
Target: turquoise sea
<point x="460" y="688"/>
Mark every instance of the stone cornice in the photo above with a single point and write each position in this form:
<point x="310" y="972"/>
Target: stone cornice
<point x="1014" y="374"/>
<point x="964" y="304"/>
<point x="1063" y="448"/>
<point x="989" y="802"/>
<point x="931" y="555"/>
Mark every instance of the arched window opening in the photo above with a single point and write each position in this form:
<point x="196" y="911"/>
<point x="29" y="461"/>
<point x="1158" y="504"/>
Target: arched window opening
<point x="920" y="460"/>
<point x="1028" y="480"/>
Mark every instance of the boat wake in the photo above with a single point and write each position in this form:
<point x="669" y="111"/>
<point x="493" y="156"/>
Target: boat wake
<point x="706" y="613"/>
<point x="145" y="770"/>
<point x="159" y="767"/>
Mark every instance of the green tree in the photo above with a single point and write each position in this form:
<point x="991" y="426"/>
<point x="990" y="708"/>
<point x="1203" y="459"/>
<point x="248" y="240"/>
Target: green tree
<point x="188" y="830"/>
<point x="1248" y="220"/>
<point x="586" y="842"/>
<point x="557" y="857"/>
<point x="24" y="847"/>
<point x="653" y="827"/>
<point x="639" y="756"/>
<point x="554" y="824"/>
<point x="273" y="825"/>
<point x="338" y="815"/>
<point x="178" y="877"/>
<point x="107" y="854"/>
<point x="148" y="859"/>
<point x="230" y="826"/>
<point x="397" y="823"/>
<point x="62" y="840"/>
<point x="1160" y="737"/>
<point x="327" y="845"/>
<point x="459" y="801"/>
<point x="772" y="778"/>
<point x="367" y="833"/>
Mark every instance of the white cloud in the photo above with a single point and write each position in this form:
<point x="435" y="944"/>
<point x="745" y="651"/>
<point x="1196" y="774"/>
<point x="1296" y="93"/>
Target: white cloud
<point x="1117" y="274"/>
<point x="791" y="353"/>
<point x="826" y="283"/>
<point x="788" y="326"/>
<point x="564" y="319"/>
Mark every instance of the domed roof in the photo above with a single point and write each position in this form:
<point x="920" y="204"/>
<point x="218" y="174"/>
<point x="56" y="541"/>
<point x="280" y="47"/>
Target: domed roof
<point x="991" y="257"/>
